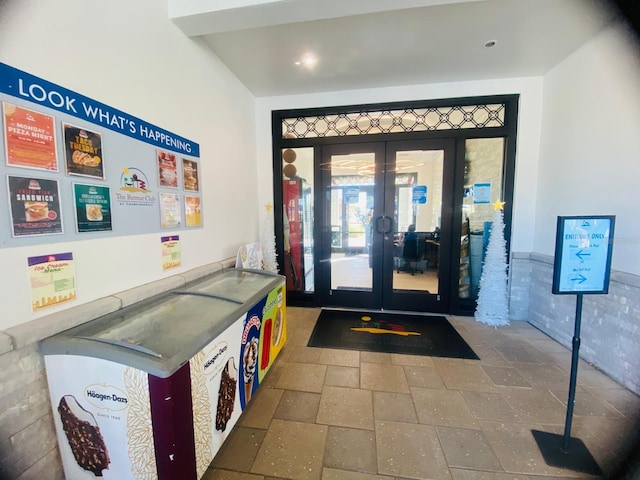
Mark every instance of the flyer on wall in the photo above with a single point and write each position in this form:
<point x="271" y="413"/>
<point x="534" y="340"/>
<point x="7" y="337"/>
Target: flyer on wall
<point x="83" y="152"/>
<point x="35" y="206"/>
<point x="30" y="138"/>
<point x="190" y="175"/>
<point x="93" y="207"/>
<point x="167" y="169"/>
<point x="170" y="210"/>
<point x="171" y="252"/>
<point x="52" y="279"/>
<point x="192" y="211"/>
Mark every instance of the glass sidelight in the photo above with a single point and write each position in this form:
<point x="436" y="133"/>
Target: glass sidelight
<point x="484" y="184"/>
<point x="298" y="213"/>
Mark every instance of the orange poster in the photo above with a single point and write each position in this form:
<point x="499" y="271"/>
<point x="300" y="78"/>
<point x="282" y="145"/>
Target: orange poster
<point x="30" y="138"/>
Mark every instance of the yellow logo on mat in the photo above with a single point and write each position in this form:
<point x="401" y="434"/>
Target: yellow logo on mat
<point x="382" y="326"/>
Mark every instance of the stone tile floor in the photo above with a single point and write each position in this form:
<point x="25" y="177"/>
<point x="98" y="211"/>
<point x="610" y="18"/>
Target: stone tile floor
<point x="326" y="414"/>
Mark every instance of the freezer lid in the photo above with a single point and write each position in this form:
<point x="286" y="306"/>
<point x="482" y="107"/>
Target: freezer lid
<point x="157" y="336"/>
<point x="241" y="285"/>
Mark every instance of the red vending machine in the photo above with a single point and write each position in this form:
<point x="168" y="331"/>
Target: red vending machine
<point x="293" y="245"/>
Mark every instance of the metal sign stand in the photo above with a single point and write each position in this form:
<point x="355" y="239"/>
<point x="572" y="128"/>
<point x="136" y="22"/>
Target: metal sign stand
<point x="582" y="266"/>
<point x="574" y="375"/>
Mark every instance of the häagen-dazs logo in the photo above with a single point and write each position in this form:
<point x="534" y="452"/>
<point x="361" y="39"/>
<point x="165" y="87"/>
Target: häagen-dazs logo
<point x="134" y="189"/>
<point x="215" y="358"/>
<point x="106" y="397"/>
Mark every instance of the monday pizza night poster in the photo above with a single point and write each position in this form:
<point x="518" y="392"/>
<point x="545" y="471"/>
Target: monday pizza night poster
<point x="30" y="138"/>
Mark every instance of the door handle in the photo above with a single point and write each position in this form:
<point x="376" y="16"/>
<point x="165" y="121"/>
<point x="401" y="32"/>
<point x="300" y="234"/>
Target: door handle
<point x="390" y="229"/>
<point x="384" y="219"/>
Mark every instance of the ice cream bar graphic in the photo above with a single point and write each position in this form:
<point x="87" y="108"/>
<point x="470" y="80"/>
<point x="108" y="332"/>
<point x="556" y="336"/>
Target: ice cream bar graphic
<point x="226" y="394"/>
<point x="83" y="435"/>
<point x="266" y="344"/>
<point x="250" y="360"/>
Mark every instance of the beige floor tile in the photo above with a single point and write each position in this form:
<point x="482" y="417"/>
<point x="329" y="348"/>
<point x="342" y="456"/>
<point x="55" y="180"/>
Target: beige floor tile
<point x="517" y="450"/>
<point x="298" y="406"/>
<point x="427" y="377"/>
<point x="388" y="378"/>
<point x="346" y="407"/>
<point x="291" y="450"/>
<point x="335" y="474"/>
<point x="442" y="407"/>
<point x="465" y="448"/>
<point x="259" y="412"/>
<point x="342" y="376"/>
<point x="544" y="376"/>
<point x="590" y="377"/>
<point x="345" y="358"/>
<point x="394" y="407"/>
<point x="375" y="357"/>
<point x="460" y="375"/>
<point x="490" y="356"/>
<point x="272" y="376"/>
<point x="305" y="377"/>
<point x="351" y="449"/>
<point x="505" y="376"/>
<point x="535" y="406"/>
<point x="621" y="400"/>
<point x="304" y="354"/>
<point x="218" y="474"/>
<point x="239" y="449"/>
<point x="458" y="474"/>
<point x="299" y="337"/>
<point x="490" y="406"/>
<point x="585" y="404"/>
<point x="412" y="360"/>
<point x="410" y="451"/>
<point x="521" y="354"/>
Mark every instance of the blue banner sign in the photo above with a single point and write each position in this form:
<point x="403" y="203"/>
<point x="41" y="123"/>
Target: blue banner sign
<point x="419" y="194"/>
<point x="583" y="254"/>
<point x="30" y="88"/>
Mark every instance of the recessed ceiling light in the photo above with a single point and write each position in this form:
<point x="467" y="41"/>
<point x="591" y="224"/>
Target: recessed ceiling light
<point x="308" y="60"/>
<point x="490" y="43"/>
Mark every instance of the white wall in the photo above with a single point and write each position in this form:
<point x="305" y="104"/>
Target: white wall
<point x="529" y="121"/>
<point x="590" y="148"/>
<point x="129" y="56"/>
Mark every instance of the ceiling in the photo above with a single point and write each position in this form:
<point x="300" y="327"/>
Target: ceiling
<point x="381" y="43"/>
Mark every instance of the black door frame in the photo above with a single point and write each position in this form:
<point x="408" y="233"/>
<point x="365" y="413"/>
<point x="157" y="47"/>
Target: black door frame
<point x="508" y="131"/>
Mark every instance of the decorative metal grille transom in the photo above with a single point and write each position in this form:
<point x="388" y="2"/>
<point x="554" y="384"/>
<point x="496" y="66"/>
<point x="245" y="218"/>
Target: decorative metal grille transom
<point x="395" y="121"/>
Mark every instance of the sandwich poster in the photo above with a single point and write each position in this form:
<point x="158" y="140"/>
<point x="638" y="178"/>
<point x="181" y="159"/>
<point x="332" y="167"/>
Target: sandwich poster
<point x="52" y="279"/>
<point x="35" y="206"/>
<point x="30" y="138"/>
<point x="83" y="152"/>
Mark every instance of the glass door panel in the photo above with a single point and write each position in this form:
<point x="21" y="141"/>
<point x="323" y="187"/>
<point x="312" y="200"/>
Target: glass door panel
<point x="382" y="224"/>
<point x="418" y="199"/>
<point x="351" y="180"/>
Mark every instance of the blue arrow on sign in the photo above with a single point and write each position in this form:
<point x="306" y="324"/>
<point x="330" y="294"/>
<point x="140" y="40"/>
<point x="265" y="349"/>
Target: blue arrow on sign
<point x="579" y="279"/>
<point x="580" y="254"/>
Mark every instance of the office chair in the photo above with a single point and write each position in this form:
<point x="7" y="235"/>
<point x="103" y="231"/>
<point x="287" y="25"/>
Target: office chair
<point x="411" y="254"/>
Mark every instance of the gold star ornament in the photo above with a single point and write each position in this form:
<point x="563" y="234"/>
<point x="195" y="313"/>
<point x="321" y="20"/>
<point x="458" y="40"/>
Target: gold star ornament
<point x="268" y="207"/>
<point x="498" y="205"/>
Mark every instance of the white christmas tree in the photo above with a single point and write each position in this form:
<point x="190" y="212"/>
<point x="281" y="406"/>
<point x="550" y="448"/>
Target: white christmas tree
<point x="493" y="297"/>
<point x="269" y="241"/>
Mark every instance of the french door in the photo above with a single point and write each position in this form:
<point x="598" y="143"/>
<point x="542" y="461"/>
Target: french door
<point x="386" y="225"/>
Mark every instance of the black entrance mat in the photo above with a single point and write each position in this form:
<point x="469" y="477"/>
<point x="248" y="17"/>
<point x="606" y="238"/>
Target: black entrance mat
<point x="389" y="333"/>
